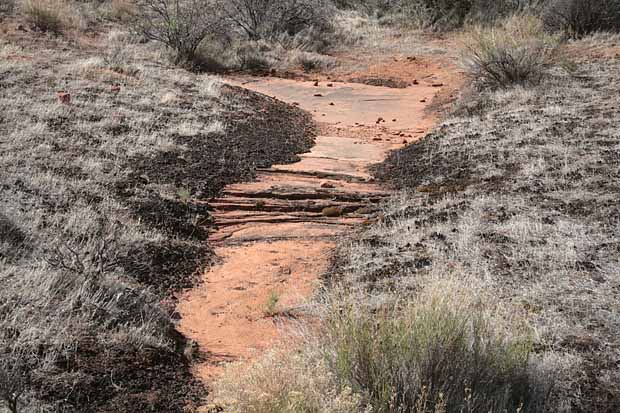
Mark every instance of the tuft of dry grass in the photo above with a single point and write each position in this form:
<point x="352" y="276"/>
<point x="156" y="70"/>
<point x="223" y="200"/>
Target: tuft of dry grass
<point x="284" y="381"/>
<point x="45" y="15"/>
<point x="516" y="51"/>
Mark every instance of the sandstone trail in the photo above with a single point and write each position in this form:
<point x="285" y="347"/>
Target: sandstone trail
<point x="274" y="235"/>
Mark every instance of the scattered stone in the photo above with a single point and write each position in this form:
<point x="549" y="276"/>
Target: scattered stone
<point x="415" y="82"/>
<point x="437" y="84"/>
<point x="331" y="103"/>
<point x="422" y="100"/>
<point x="332" y="212"/>
<point x="316" y="83"/>
<point x="365" y="210"/>
<point x="405" y="141"/>
<point x="380" y="120"/>
<point x="377" y="139"/>
<point x="330" y="85"/>
<point x="393" y="120"/>
<point x="318" y="95"/>
<point x="63" y="97"/>
<point x="411" y="58"/>
<point x="326" y="184"/>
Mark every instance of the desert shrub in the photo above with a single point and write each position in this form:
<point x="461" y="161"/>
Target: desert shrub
<point x="517" y="51"/>
<point x="580" y="17"/>
<point x="181" y="25"/>
<point x="450" y="349"/>
<point x="271" y="19"/>
<point x="15" y="378"/>
<point x="441" y="14"/>
<point x="255" y="56"/>
<point x="44" y="15"/>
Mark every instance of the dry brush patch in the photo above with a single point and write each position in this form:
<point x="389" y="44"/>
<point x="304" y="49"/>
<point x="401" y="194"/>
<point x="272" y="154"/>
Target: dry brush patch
<point x="107" y="161"/>
<point x="448" y="348"/>
<point x="518" y="188"/>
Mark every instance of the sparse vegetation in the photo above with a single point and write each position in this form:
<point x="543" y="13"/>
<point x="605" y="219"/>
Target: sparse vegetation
<point x="580" y="17"/>
<point x="99" y="223"/>
<point x="45" y="15"/>
<point x="271" y="305"/>
<point x="182" y="25"/>
<point x="450" y="349"/>
<point x="518" y="51"/>
<point x="516" y="189"/>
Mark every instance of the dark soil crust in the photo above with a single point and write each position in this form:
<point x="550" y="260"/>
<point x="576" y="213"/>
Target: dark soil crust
<point x="260" y="131"/>
<point x="264" y="132"/>
<point x="379" y="81"/>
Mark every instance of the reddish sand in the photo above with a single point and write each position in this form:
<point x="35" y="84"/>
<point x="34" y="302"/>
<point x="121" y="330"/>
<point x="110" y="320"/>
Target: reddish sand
<point x="274" y="235"/>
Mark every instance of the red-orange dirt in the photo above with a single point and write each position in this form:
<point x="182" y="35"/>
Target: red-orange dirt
<point x="274" y="235"/>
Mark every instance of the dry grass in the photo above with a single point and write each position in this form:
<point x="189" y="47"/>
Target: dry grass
<point x="45" y="15"/>
<point x="518" y="188"/>
<point x="99" y="221"/>
<point x="516" y="51"/>
<point x="449" y="348"/>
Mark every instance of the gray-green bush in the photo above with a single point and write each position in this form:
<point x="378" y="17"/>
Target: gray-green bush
<point x="442" y="352"/>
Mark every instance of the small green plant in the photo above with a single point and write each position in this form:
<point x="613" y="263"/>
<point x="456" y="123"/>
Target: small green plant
<point x="271" y="305"/>
<point x="184" y="194"/>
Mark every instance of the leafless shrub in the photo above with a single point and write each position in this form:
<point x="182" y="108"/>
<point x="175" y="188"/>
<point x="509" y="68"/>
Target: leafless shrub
<point x="181" y="25"/>
<point x="516" y="52"/>
<point x="269" y="19"/>
<point x="15" y="375"/>
<point x="580" y="17"/>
